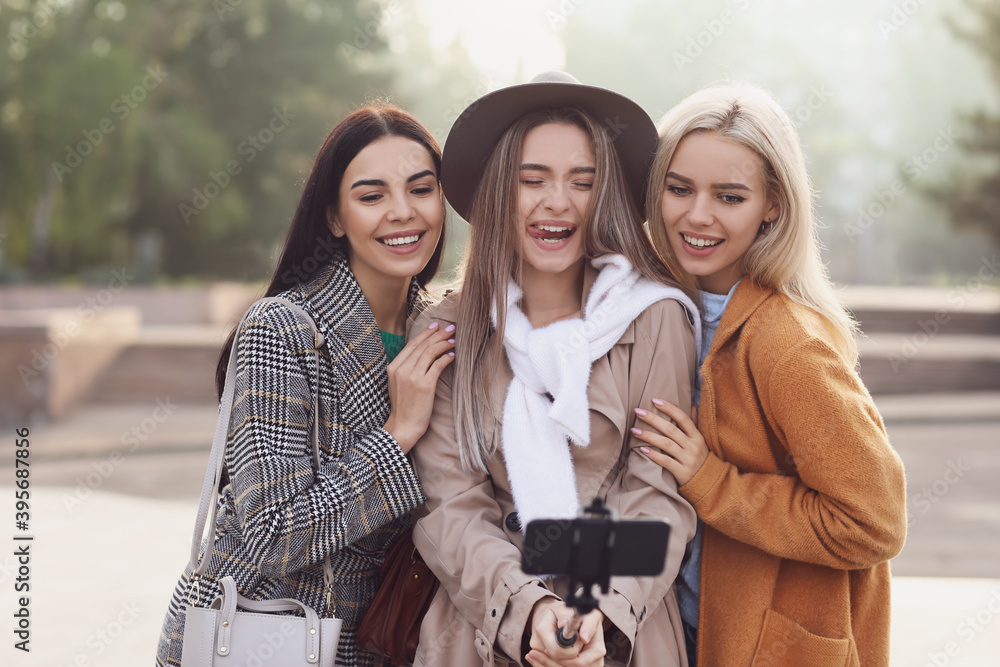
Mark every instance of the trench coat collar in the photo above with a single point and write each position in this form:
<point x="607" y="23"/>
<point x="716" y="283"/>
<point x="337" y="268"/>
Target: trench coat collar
<point x="607" y="401"/>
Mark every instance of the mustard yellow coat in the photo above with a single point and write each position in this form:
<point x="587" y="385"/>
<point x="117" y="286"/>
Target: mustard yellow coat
<point x="803" y="497"/>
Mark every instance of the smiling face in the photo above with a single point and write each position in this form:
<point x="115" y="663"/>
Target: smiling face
<point x="713" y="205"/>
<point x="390" y="210"/>
<point x="556" y="177"/>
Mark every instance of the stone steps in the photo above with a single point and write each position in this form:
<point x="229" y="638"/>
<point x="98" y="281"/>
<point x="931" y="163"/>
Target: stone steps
<point x="926" y="376"/>
<point x="919" y="341"/>
<point x="904" y="350"/>
<point x="940" y="322"/>
<point x="175" y="361"/>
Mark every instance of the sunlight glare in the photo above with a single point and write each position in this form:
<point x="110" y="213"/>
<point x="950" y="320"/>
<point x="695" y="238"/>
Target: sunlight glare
<point x="509" y="42"/>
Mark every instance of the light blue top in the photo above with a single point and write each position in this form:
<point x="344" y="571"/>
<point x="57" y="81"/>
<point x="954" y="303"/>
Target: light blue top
<point x="689" y="582"/>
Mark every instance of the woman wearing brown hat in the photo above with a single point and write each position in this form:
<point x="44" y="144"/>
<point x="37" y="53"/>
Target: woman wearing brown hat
<point x="568" y="324"/>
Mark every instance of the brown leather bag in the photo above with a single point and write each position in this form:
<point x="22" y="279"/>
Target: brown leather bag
<point x="391" y="625"/>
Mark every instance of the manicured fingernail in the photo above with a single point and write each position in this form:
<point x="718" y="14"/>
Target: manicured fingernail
<point x="432" y="325"/>
<point x="585" y="636"/>
<point x="644" y="450"/>
<point x="450" y="328"/>
<point x="637" y="431"/>
<point x="641" y="412"/>
<point x="657" y="401"/>
<point x="451" y="340"/>
<point x="451" y="354"/>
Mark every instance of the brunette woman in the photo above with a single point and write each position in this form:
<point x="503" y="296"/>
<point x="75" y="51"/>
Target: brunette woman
<point x="366" y="238"/>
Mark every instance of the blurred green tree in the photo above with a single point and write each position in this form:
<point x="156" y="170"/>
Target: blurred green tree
<point x="165" y="135"/>
<point x="971" y="197"/>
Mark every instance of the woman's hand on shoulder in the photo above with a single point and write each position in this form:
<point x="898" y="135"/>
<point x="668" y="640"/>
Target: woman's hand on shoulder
<point x="413" y="376"/>
<point x="550" y="614"/>
<point x="676" y="445"/>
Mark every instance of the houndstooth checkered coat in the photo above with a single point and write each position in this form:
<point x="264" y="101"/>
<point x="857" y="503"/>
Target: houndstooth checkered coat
<point x="279" y="517"/>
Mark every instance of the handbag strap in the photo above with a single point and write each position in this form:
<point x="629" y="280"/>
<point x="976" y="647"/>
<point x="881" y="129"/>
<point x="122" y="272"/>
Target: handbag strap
<point x="230" y="599"/>
<point x="210" y="487"/>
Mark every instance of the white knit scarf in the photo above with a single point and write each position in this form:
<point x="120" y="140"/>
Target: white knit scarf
<point x="547" y="402"/>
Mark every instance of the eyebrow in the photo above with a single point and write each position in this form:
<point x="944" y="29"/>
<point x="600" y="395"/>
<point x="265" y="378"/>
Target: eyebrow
<point x="531" y="166"/>
<point x="425" y="172"/>
<point x="717" y="186"/>
<point x="378" y="182"/>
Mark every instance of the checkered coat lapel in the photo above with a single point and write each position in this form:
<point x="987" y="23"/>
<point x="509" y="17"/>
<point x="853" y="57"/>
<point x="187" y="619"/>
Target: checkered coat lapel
<point x="342" y="314"/>
<point x="280" y="516"/>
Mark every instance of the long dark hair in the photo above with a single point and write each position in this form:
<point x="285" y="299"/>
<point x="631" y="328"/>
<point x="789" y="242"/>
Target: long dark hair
<point x="309" y="231"/>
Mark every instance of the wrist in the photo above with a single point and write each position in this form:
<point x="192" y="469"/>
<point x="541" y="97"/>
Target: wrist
<point x="529" y="626"/>
<point x="400" y="434"/>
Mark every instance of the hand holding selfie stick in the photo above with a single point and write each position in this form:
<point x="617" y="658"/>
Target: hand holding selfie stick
<point x="584" y="602"/>
<point x="590" y="550"/>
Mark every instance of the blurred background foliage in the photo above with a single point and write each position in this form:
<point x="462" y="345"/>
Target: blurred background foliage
<point x="119" y="120"/>
<point x="173" y="136"/>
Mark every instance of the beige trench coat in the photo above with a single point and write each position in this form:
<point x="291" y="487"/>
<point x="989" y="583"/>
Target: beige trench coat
<point x="481" y="609"/>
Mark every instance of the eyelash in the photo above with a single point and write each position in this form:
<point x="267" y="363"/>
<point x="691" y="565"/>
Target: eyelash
<point x="587" y="186"/>
<point x="420" y="191"/>
<point x="727" y="198"/>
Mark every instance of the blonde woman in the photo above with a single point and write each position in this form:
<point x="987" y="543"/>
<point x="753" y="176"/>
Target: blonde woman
<point x="801" y="496"/>
<point x="567" y="322"/>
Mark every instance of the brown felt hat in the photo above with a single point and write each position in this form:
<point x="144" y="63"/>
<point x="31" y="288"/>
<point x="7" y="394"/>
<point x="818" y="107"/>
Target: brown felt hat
<point x="478" y="129"/>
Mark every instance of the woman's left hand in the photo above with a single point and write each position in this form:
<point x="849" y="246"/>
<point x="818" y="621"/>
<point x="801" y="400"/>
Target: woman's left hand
<point x="550" y="614"/>
<point x="676" y="445"/>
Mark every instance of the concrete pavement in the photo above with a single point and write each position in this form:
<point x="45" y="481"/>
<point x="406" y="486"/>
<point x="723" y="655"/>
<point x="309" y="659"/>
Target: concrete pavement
<point x="114" y="494"/>
<point x="103" y="571"/>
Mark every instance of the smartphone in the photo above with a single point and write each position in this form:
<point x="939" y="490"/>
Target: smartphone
<point x="584" y="547"/>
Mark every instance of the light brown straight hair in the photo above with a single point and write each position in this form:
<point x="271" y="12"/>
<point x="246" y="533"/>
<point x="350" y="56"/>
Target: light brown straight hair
<point x="492" y="259"/>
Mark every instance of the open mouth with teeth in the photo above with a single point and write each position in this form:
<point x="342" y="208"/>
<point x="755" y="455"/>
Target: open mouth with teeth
<point x="551" y="234"/>
<point x="401" y="241"/>
<point x="700" y="243"/>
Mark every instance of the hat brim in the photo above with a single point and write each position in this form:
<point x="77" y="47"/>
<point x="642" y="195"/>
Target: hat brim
<point x="478" y="129"/>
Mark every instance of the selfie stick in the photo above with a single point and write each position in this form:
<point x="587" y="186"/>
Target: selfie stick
<point x="584" y="602"/>
<point x="588" y="550"/>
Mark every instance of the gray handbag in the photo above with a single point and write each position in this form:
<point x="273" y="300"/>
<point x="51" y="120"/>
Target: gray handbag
<point x="221" y="634"/>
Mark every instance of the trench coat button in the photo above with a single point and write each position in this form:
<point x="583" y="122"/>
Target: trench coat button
<point x="513" y="522"/>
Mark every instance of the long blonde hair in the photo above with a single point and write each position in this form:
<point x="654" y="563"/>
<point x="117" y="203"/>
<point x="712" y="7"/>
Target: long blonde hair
<point x="492" y="258"/>
<point x="787" y="256"/>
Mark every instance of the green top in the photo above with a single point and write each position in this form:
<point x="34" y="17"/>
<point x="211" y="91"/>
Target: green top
<point x="393" y="343"/>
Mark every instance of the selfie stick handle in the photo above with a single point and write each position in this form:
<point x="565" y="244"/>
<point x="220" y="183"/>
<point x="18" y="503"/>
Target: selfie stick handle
<point x="584" y="602"/>
<point x="561" y="637"/>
